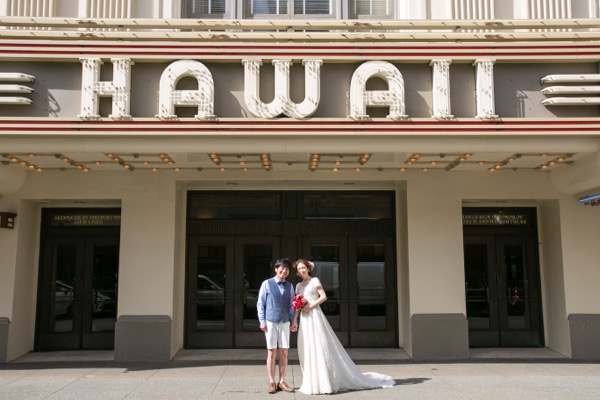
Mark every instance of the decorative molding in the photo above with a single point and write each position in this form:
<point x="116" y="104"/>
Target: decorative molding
<point x="15" y="101"/>
<point x="92" y="88"/>
<point x="360" y="97"/>
<point x="15" y="77"/>
<point x="282" y="104"/>
<point x="572" y="101"/>
<point x="485" y="89"/>
<point x="441" y="89"/>
<point x="15" y="89"/>
<point x="570" y="78"/>
<point x="169" y="97"/>
<point x="573" y="90"/>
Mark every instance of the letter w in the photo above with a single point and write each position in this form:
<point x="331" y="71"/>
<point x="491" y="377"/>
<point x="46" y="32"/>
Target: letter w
<point x="282" y="104"/>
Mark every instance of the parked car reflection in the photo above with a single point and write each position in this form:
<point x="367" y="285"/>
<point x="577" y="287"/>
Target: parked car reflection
<point x="211" y="299"/>
<point x="103" y="301"/>
<point x="63" y="299"/>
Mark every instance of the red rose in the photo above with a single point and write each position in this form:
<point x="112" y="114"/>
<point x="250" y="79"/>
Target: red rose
<point x="298" y="301"/>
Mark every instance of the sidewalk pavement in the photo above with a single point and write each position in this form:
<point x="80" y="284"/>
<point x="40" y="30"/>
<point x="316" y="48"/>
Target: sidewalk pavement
<point x="507" y="374"/>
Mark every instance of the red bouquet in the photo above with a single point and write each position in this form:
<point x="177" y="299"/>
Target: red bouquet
<point x="298" y="301"/>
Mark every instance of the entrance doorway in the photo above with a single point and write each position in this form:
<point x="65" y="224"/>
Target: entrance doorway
<point x="235" y="237"/>
<point x="79" y="265"/>
<point x="502" y="280"/>
<point x="224" y="277"/>
<point x="357" y="277"/>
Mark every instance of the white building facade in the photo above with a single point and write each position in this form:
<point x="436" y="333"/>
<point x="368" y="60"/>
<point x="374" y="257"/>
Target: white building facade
<point x="438" y="160"/>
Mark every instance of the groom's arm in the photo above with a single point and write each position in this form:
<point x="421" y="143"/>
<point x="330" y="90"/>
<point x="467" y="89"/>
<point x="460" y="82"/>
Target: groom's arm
<point x="261" y="303"/>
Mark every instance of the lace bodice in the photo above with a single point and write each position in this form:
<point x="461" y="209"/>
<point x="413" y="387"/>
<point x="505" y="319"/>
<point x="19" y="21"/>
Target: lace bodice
<point x="309" y="291"/>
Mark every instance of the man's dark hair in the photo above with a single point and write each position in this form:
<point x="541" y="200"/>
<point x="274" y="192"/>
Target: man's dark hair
<point x="283" y="262"/>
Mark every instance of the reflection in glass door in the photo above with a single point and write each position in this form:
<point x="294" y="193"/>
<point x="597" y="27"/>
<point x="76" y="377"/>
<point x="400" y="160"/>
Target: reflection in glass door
<point x="78" y="293"/>
<point x="357" y="276"/>
<point x="501" y="284"/>
<point x="224" y="276"/>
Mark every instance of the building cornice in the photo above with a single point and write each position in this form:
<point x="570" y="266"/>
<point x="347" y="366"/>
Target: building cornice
<point x="313" y="127"/>
<point x="311" y="31"/>
<point x="349" y="52"/>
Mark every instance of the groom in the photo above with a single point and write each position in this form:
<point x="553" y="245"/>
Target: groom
<point x="275" y="312"/>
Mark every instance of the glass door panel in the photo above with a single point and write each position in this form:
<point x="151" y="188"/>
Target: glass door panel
<point x="481" y="291"/>
<point x="358" y="277"/>
<point x="78" y="304"/>
<point x="372" y="292"/>
<point x="501" y="291"/>
<point x="519" y="297"/>
<point x="104" y="282"/>
<point x="255" y="257"/>
<point x="370" y="281"/>
<point x="329" y="256"/>
<point x="224" y="276"/>
<point x="209" y="294"/>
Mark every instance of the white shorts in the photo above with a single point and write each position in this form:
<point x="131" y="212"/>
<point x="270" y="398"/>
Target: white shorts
<point x="278" y="335"/>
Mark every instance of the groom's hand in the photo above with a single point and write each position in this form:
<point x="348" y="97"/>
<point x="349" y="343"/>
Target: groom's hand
<point x="263" y="327"/>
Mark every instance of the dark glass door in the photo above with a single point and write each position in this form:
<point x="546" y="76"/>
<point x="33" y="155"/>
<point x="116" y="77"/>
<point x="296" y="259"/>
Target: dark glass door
<point x="224" y="276"/>
<point x="358" y="277"/>
<point x="502" y="291"/>
<point x="78" y="292"/>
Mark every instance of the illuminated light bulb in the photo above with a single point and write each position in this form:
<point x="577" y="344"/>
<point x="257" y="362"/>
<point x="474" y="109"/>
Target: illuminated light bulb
<point x="31" y="166"/>
<point x="245" y="169"/>
<point x="402" y="169"/>
<point x="146" y="163"/>
<point x="222" y="169"/>
<point x="480" y="162"/>
<point x="335" y="169"/>
<point x="424" y="169"/>
<point x="357" y="169"/>
<point x="97" y="162"/>
<point x="39" y="170"/>
<point x="86" y="170"/>
<point x="433" y="163"/>
<point x="498" y="166"/>
<point x="30" y="155"/>
<point x="544" y="154"/>
<point x="544" y="166"/>
<point x="109" y="155"/>
<point x="417" y="155"/>
<point x="177" y="169"/>
<point x="154" y="169"/>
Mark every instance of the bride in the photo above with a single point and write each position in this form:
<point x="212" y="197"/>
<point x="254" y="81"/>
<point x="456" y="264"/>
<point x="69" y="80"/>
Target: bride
<point x="326" y="367"/>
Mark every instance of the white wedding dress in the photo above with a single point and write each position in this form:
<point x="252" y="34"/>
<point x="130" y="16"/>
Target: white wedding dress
<point x="326" y="366"/>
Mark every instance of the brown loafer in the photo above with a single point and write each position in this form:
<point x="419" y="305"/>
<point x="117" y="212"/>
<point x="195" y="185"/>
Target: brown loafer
<point x="272" y="388"/>
<point x="284" y="386"/>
